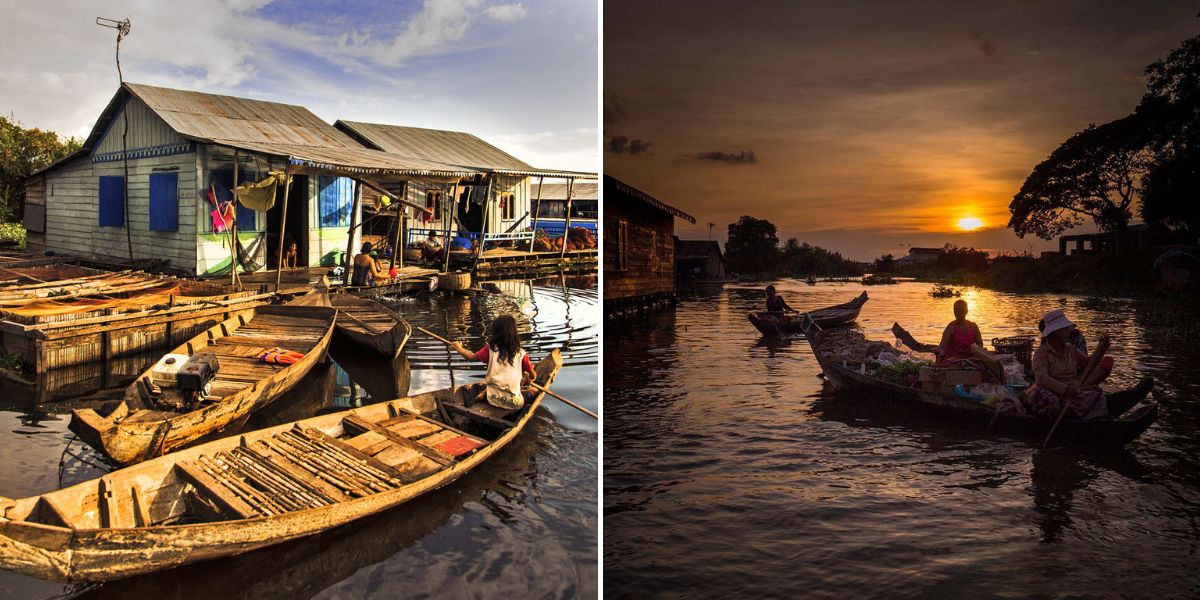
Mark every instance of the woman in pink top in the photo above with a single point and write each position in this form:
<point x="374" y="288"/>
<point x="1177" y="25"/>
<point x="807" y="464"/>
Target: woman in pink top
<point x="959" y="335"/>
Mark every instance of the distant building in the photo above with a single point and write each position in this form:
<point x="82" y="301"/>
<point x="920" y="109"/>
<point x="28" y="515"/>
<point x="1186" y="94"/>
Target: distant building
<point x="1136" y="237"/>
<point x="639" y="249"/>
<point x="919" y="256"/>
<point x="699" y="260"/>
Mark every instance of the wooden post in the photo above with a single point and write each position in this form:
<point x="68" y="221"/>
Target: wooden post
<point x="567" y="223"/>
<point x="448" y="210"/>
<point x="487" y="211"/>
<point x="537" y="209"/>
<point x="233" y="264"/>
<point x="287" y="185"/>
<point x="397" y="249"/>
<point x="350" y="232"/>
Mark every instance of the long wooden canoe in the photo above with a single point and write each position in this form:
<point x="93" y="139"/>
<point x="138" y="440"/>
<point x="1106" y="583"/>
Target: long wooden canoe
<point x="774" y="323"/>
<point x="262" y="488"/>
<point x="136" y="430"/>
<point x="1132" y="415"/>
<point x="371" y="325"/>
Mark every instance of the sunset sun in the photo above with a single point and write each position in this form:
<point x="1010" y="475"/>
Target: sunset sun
<point x="970" y="223"/>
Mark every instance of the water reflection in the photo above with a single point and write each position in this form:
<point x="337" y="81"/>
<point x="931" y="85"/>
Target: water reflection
<point x="730" y="450"/>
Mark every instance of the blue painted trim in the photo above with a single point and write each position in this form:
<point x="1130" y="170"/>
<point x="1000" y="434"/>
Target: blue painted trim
<point x="151" y="152"/>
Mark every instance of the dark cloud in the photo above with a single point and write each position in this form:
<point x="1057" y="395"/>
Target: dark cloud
<point x="614" y="111"/>
<point x="745" y="157"/>
<point x="619" y="144"/>
<point x="985" y="45"/>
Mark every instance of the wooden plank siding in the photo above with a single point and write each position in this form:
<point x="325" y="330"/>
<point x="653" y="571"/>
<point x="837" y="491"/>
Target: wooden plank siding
<point x="146" y="130"/>
<point x="72" y="212"/>
<point x="519" y="186"/>
<point x="650" y="250"/>
<point x="35" y="201"/>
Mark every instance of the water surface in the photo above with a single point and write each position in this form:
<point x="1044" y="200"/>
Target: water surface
<point x="731" y="468"/>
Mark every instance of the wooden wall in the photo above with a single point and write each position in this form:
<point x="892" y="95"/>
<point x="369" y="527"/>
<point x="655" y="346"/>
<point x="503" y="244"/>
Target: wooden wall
<point x="72" y="211"/>
<point x="650" y="250"/>
<point x="35" y="213"/>
<point x="518" y="186"/>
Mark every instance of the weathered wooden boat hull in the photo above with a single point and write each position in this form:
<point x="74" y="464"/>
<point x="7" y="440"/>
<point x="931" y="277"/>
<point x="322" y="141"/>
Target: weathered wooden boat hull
<point x="1111" y="431"/>
<point x="387" y="343"/>
<point x="833" y="316"/>
<point x="94" y="554"/>
<point x="125" y="442"/>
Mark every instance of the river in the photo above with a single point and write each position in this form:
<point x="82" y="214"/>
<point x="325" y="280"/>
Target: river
<point x="523" y="524"/>
<point x="731" y="468"/>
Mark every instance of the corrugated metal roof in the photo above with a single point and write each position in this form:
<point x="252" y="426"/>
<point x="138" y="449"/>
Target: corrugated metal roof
<point x="212" y="117"/>
<point x="617" y="185"/>
<point x="353" y="160"/>
<point x="451" y="147"/>
<point x="558" y="191"/>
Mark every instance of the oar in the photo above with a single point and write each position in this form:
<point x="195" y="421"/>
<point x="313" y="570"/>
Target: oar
<point x="531" y="384"/>
<point x="1093" y="362"/>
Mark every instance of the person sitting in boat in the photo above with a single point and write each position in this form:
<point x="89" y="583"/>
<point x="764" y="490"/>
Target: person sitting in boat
<point x="776" y="303"/>
<point x="508" y="366"/>
<point x="1058" y="374"/>
<point x="958" y="336"/>
<point x="1076" y="339"/>
<point x="366" y="270"/>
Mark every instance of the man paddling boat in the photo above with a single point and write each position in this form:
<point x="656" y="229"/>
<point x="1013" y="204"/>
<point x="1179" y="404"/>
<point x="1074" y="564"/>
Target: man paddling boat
<point x="776" y="303"/>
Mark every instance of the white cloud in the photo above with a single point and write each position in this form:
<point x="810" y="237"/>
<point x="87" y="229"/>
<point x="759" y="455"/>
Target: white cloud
<point x="506" y="13"/>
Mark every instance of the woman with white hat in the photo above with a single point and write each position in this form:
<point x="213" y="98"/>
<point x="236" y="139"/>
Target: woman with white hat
<point x="1058" y="370"/>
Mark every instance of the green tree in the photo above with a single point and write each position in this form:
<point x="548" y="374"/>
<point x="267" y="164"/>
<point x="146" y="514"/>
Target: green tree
<point x="23" y="151"/>
<point x="885" y="264"/>
<point x="752" y="246"/>
<point x="1095" y="174"/>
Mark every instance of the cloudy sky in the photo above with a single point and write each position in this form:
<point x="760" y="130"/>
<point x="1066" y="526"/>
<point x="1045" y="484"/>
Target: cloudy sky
<point x="866" y="127"/>
<point x="521" y="74"/>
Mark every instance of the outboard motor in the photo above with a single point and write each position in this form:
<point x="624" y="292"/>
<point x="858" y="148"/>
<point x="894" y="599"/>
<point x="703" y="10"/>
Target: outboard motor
<point x="185" y="383"/>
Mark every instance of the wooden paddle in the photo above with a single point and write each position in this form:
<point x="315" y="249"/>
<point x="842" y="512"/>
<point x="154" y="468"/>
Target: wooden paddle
<point x="531" y="384"/>
<point x="1092" y="364"/>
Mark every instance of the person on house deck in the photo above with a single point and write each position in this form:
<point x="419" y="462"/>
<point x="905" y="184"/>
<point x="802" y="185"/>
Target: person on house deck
<point x="776" y="303"/>
<point x="1058" y="366"/>
<point x="366" y="270"/>
<point x="958" y="336"/>
<point x="508" y="366"/>
<point x="431" y="247"/>
<point x="290" y="253"/>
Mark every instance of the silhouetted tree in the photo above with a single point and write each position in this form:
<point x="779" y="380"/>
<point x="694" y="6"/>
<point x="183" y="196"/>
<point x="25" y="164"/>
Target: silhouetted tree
<point x="1170" y="110"/>
<point x="885" y="264"/>
<point x="752" y="246"/>
<point x="23" y="151"/>
<point x="958" y="257"/>
<point x="1095" y="174"/>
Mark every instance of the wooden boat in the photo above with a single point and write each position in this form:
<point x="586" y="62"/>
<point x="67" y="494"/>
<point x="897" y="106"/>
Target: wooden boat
<point x="1132" y="418"/>
<point x="265" y="487"/>
<point x="773" y="323"/>
<point x="138" y="429"/>
<point x="371" y="325"/>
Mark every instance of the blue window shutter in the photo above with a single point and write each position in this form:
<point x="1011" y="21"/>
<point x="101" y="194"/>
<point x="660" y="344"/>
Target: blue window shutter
<point x="335" y="198"/>
<point x="164" y="202"/>
<point x="112" y="201"/>
<point x="246" y="219"/>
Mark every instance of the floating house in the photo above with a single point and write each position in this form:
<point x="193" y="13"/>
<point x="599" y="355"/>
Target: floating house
<point x="639" y="249"/>
<point x="551" y="206"/>
<point x="152" y="177"/>
<point x="699" y="260"/>
<point x="496" y="203"/>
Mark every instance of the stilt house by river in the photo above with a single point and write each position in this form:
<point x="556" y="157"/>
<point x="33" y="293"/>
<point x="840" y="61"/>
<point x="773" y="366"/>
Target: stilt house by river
<point x="639" y="249"/>
<point x="143" y="184"/>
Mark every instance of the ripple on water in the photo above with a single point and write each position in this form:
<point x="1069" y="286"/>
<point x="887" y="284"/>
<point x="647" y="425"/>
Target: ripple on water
<point x="730" y="467"/>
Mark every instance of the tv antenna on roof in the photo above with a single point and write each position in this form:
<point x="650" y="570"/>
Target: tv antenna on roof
<point x="122" y="28"/>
